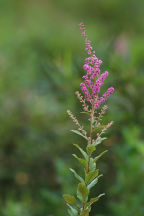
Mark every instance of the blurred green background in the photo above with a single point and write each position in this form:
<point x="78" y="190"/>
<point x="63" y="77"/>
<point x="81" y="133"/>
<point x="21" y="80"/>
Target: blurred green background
<point x="41" y="58"/>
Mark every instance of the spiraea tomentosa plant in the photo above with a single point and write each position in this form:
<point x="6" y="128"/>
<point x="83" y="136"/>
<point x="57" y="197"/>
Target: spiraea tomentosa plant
<point x="91" y="101"/>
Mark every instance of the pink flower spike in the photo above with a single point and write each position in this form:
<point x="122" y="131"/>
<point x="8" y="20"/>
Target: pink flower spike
<point x="93" y="81"/>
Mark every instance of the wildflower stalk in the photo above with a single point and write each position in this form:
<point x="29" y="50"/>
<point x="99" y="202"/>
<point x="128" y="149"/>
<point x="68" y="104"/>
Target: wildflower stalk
<point x="91" y="102"/>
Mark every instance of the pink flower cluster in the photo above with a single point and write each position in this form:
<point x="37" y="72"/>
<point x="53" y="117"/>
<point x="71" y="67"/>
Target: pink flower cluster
<point x="93" y="80"/>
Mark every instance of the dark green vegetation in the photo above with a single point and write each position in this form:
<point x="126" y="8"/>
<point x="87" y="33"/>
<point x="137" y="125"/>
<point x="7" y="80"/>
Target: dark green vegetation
<point x="41" y="58"/>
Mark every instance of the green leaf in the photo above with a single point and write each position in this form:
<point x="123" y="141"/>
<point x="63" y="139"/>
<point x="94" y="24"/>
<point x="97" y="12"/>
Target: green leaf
<point x="99" y="196"/>
<point x="87" y="113"/>
<point x="85" y="212"/>
<point x="82" y="151"/>
<point x="93" y="200"/>
<point x="99" y="141"/>
<point x="83" y="191"/>
<point x="72" y="211"/>
<point x="82" y="161"/>
<point x="70" y="199"/>
<point x="90" y="149"/>
<point x="79" y="196"/>
<point x="77" y="176"/>
<point x="92" y="184"/>
<point x="89" y="208"/>
<point x="98" y="129"/>
<point x="91" y="175"/>
<point x="100" y="155"/>
<point x="92" y="164"/>
<point x="79" y="133"/>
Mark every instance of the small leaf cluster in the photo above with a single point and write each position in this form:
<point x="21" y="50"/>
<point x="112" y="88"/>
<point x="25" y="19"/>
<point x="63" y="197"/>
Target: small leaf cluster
<point x="81" y="204"/>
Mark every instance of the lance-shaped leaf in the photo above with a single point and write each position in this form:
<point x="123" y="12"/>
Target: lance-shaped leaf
<point x="92" y="164"/>
<point x="98" y="128"/>
<point x="82" y="151"/>
<point x="90" y="149"/>
<point x="93" y="200"/>
<point x="70" y="199"/>
<point x="72" y="211"/>
<point x="79" y="196"/>
<point x="90" y="176"/>
<point x="79" y="133"/>
<point x="100" y="155"/>
<point x="94" y="182"/>
<point x="77" y="176"/>
<point x="87" y="113"/>
<point x="82" y="161"/>
<point x="85" y="212"/>
<point x="89" y="208"/>
<point x="99" y="141"/>
<point x="82" y="189"/>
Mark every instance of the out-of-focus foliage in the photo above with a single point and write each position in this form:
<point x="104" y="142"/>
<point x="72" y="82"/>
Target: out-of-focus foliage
<point x="130" y="175"/>
<point x="41" y="57"/>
